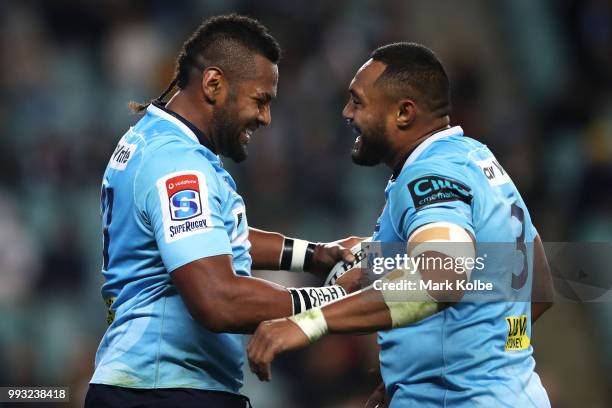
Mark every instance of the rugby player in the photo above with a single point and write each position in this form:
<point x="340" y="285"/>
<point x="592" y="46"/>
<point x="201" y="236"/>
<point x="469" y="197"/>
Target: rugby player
<point x="438" y="348"/>
<point x="177" y="248"/>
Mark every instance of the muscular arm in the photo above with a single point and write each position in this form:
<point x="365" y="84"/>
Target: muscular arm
<point x="362" y="312"/>
<point x="367" y="311"/>
<point x="542" y="287"/>
<point x="266" y="250"/>
<point x="222" y="301"/>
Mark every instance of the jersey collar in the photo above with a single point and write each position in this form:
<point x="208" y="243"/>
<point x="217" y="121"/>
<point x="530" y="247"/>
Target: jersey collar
<point x="415" y="153"/>
<point x="187" y="127"/>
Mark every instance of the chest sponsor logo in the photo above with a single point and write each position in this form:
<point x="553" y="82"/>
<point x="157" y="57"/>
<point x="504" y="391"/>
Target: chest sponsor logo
<point x="122" y="155"/>
<point x="493" y="171"/>
<point x="517" y="338"/>
<point x="433" y="189"/>
<point x="184" y="204"/>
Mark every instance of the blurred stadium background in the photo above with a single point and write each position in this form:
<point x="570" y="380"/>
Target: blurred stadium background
<point x="532" y="79"/>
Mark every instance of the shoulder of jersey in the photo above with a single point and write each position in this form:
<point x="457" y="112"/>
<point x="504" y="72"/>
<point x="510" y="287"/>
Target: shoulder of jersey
<point x="162" y="137"/>
<point x="439" y="174"/>
<point x="165" y="148"/>
<point x="453" y="149"/>
<point x="439" y="162"/>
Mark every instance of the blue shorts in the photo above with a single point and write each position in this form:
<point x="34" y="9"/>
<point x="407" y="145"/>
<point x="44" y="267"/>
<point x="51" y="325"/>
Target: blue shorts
<point x="101" y="396"/>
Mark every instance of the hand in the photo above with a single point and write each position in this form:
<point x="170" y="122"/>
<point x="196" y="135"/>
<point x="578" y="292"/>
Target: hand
<point x="379" y="398"/>
<point x="327" y="255"/>
<point x="353" y="280"/>
<point x="273" y="337"/>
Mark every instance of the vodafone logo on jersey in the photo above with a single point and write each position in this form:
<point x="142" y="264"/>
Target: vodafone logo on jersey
<point x="184" y="197"/>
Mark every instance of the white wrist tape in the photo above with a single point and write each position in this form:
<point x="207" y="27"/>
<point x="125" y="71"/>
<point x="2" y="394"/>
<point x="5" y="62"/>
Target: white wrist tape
<point x="299" y="253"/>
<point x="296" y="255"/>
<point x="360" y="252"/>
<point x="312" y="322"/>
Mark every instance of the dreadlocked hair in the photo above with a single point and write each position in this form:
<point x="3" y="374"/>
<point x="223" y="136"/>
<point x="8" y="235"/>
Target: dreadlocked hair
<point x="229" y="42"/>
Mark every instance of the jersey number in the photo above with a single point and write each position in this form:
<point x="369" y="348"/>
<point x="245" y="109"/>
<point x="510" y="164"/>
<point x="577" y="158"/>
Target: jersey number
<point x="106" y="199"/>
<point x="518" y="281"/>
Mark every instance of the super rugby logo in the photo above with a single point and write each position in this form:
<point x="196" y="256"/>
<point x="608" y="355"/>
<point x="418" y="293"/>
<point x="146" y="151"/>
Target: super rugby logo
<point x="184" y="197"/>
<point x="184" y="204"/>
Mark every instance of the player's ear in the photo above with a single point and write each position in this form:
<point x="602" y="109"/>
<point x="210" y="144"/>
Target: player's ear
<point x="406" y="113"/>
<point x="213" y="84"/>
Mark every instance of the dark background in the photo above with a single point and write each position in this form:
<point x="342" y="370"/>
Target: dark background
<point x="531" y="79"/>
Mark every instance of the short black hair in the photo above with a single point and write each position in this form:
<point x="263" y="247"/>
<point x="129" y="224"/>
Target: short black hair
<point x="228" y="42"/>
<point x="413" y="71"/>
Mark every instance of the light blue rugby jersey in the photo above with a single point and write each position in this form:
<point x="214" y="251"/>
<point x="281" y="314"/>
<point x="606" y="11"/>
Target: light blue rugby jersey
<point x="166" y="201"/>
<point x="466" y="355"/>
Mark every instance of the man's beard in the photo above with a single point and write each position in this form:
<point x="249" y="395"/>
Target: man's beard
<point x="227" y="128"/>
<point x="372" y="147"/>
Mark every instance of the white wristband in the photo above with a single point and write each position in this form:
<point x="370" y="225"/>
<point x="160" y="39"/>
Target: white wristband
<point x="312" y="322"/>
<point x="308" y="298"/>
<point x="299" y="253"/>
<point x="296" y="255"/>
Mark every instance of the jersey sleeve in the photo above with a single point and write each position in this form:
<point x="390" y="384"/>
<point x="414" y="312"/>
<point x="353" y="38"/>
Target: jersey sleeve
<point x="179" y="196"/>
<point x="430" y="192"/>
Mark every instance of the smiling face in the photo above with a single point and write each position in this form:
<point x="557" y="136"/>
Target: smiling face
<point x="246" y="108"/>
<point x="366" y="113"/>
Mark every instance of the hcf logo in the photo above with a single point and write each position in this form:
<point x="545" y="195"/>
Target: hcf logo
<point x="184" y="197"/>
